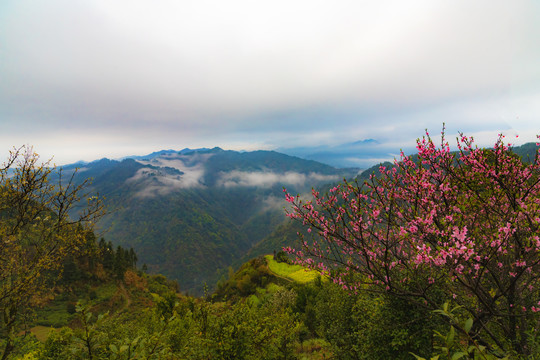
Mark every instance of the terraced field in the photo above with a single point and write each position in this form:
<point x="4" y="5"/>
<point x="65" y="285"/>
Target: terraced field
<point x="295" y="273"/>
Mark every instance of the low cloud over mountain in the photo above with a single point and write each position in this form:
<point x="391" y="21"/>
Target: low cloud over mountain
<point x="269" y="179"/>
<point x="190" y="213"/>
<point x="164" y="172"/>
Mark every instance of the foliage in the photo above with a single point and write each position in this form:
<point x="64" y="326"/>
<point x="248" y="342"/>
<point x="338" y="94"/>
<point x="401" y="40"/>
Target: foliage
<point x="364" y="325"/>
<point x="369" y="326"/>
<point x="282" y="257"/>
<point x="189" y="330"/>
<point x="117" y="261"/>
<point x="460" y="345"/>
<point x="284" y="319"/>
<point x="36" y="233"/>
<point x="464" y="223"/>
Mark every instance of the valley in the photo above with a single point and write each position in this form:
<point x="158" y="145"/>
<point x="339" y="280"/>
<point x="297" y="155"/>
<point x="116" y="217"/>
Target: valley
<point x="191" y="214"/>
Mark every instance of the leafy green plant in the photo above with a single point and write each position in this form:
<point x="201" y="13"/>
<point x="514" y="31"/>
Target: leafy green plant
<point x="458" y="343"/>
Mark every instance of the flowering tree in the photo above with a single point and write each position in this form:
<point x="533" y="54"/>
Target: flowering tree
<point x="464" y="224"/>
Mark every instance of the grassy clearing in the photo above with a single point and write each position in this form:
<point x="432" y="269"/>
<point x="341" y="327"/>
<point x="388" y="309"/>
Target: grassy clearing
<point x="55" y="314"/>
<point x="295" y="273"/>
<point x="41" y="332"/>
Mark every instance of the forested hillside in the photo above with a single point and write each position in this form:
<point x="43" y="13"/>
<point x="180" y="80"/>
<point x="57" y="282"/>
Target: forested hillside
<point x="192" y="214"/>
<point x="265" y="310"/>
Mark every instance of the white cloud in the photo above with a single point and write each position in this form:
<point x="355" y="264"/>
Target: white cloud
<point x="268" y="179"/>
<point x="154" y="182"/>
<point x="273" y="203"/>
<point x="159" y="181"/>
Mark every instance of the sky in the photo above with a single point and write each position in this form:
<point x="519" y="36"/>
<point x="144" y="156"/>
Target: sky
<point x="82" y="80"/>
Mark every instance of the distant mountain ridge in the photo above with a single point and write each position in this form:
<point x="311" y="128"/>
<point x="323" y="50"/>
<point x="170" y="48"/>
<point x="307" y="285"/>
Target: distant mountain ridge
<point x="190" y="214"/>
<point x="359" y="154"/>
<point x="164" y="152"/>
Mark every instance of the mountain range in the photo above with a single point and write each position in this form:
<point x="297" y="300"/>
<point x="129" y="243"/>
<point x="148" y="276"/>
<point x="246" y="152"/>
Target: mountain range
<point x="360" y="154"/>
<point x="191" y="214"/>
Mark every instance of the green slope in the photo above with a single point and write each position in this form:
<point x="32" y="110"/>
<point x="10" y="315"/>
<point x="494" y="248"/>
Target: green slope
<point x="192" y="233"/>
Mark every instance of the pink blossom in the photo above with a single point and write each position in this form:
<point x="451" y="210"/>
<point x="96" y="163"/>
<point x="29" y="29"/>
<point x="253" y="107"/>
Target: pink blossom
<point x="459" y="235"/>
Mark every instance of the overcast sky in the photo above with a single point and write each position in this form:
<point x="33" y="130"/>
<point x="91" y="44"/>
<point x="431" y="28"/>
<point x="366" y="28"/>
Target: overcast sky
<point x="80" y="80"/>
